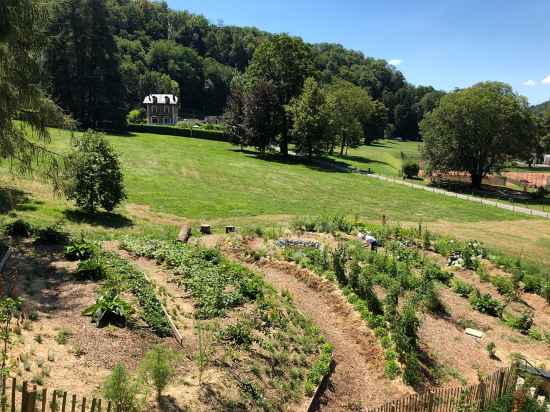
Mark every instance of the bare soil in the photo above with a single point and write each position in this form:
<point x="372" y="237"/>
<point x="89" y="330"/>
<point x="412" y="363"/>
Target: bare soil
<point x="44" y="279"/>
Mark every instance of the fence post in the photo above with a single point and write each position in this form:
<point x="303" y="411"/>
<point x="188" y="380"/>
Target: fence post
<point x="13" y="388"/>
<point x="482" y="395"/>
<point x="430" y="401"/>
<point x="24" y="397"/>
<point x="500" y="384"/>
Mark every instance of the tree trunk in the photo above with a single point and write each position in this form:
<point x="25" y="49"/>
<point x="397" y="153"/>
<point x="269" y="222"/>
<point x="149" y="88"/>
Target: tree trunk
<point x="342" y="148"/>
<point x="476" y="180"/>
<point x="283" y="145"/>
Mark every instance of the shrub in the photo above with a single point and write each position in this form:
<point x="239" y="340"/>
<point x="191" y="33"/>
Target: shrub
<point x="123" y="391"/>
<point x="96" y="178"/>
<point x="522" y="323"/>
<point x="239" y="334"/>
<point x="462" y="288"/>
<point x="80" y="250"/>
<point x="410" y="169"/>
<point x="91" y="269"/>
<point x="18" y="228"/>
<point x="136" y="116"/>
<point x="52" y="235"/>
<point x="391" y="369"/>
<point x="484" y="303"/>
<point x="434" y="272"/>
<point x="503" y="285"/>
<point x="482" y="273"/>
<point x="158" y="367"/>
<point x="109" y="308"/>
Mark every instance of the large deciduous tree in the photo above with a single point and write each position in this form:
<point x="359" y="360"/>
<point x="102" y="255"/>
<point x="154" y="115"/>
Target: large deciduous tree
<point x="286" y="62"/>
<point x="310" y="120"/>
<point x="21" y="96"/>
<point x="477" y="130"/>
<point x="83" y="63"/>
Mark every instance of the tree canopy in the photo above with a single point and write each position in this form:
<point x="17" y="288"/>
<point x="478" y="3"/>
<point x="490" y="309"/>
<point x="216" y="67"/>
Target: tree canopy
<point x="21" y="96"/>
<point x="166" y="51"/>
<point x="477" y="130"/>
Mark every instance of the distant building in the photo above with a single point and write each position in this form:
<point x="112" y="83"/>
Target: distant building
<point x="547" y="160"/>
<point x="161" y="108"/>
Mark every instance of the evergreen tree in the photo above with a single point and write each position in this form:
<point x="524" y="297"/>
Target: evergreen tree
<point x="21" y="97"/>
<point x="84" y="65"/>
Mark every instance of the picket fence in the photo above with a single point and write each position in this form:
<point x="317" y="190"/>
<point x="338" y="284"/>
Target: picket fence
<point x="473" y="397"/>
<point x="28" y="398"/>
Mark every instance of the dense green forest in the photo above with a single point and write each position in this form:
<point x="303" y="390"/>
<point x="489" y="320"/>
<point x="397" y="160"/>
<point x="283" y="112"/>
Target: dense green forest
<point x="104" y="56"/>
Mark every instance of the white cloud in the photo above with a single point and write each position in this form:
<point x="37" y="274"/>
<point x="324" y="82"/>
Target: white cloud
<point x="397" y="62"/>
<point x="530" y="83"/>
<point x="546" y="80"/>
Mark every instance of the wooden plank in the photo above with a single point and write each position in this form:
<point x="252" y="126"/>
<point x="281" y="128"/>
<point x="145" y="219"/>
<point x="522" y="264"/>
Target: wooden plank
<point x="53" y="406"/>
<point x="93" y="405"/>
<point x="64" y="402"/>
<point x="109" y="407"/>
<point x="13" y="387"/>
<point x="73" y="407"/>
<point x="84" y="404"/>
<point x="44" y="399"/>
<point x="99" y="405"/>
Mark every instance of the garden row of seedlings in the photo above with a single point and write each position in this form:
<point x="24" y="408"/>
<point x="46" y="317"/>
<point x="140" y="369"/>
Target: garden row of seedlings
<point x="118" y="277"/>
<point x="394" y="318"/>
<point x="410" y="280"/>
<point x="269" y="350"/>
<point x="405" y="243"/>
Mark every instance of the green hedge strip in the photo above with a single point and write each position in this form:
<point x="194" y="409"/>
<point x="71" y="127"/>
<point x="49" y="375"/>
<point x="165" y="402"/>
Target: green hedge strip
<point x="176" y="131"/>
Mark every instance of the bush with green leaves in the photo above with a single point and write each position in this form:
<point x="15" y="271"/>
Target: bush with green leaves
<point x="52" y="235"/>
<point x="18" y="228"/>
<point x="91" y="269"/>
<point x="125" y="392"/>
<point x="410" y="169"/>
<point x="96" y="177"/>
<point x="485" y="303"/>
<point x="504" y="285"/>
<point x="462" y="288"/>
<point x="319" y="369"/>
<point x="239" y="334"/>
<point x="109" y="308"/>
<point x="80" y="249"/>
<point x="158" y="368"/>
<point x="523" y="323"/>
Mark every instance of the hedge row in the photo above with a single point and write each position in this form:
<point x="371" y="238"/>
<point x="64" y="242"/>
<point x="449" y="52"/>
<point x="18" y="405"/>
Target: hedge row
<point x="176" y="131"/>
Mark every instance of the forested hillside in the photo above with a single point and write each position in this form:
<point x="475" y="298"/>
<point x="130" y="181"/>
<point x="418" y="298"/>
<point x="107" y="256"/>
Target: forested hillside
<point x="105" y="55"/>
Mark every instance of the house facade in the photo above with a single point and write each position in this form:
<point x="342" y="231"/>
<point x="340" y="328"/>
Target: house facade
<point x="161" y="109"/>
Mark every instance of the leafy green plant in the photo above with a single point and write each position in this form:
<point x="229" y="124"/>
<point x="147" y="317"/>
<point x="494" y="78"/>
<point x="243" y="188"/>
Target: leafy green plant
<point x="62" y="336"/>
<point x="523" y="323"/>
<point x="96" y="179"/>
<point x="109" y="308"/>
<point x="158" y="368"/>
<point x="80" y="250"/>
<point x="91" y="269"/>
<point x="503" y="285"/>
<point x="410" y="169"/>
<point x="485" y="303"/>
<point x="122" y="390"/>
<point x="52" y="235"/>
<point x="19" y="228"/>
<point x="239" y="333"/>
<point x="391" y="369"/>
<point x="319" y="369"/>
<point x="462" y="288"/>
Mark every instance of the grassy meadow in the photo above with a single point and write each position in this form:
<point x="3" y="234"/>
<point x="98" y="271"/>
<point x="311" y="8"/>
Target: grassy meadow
<point x="170" y="180"/>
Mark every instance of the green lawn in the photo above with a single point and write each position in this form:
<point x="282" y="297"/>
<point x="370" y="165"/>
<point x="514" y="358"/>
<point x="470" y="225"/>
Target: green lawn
<point x="201" y="179"/>
<point x="382" y="157"/>
<point x="172" y="179"/>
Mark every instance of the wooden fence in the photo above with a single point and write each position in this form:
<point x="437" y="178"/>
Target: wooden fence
<point x="472" y="397"/>
<point x="25" y="397"/>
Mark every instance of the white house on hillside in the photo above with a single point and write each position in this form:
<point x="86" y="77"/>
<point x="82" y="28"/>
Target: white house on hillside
<point x="161" y="108"/>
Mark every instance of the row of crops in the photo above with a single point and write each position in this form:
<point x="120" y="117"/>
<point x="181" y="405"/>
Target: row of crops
<point x="272" y="352"/>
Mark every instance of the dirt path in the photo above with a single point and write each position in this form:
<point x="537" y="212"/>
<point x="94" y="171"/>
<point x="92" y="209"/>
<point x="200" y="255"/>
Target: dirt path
<point x="358" y="380"/>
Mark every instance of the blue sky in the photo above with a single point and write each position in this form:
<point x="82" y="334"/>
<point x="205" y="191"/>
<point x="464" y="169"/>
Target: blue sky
<point x="446" y="43"/>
